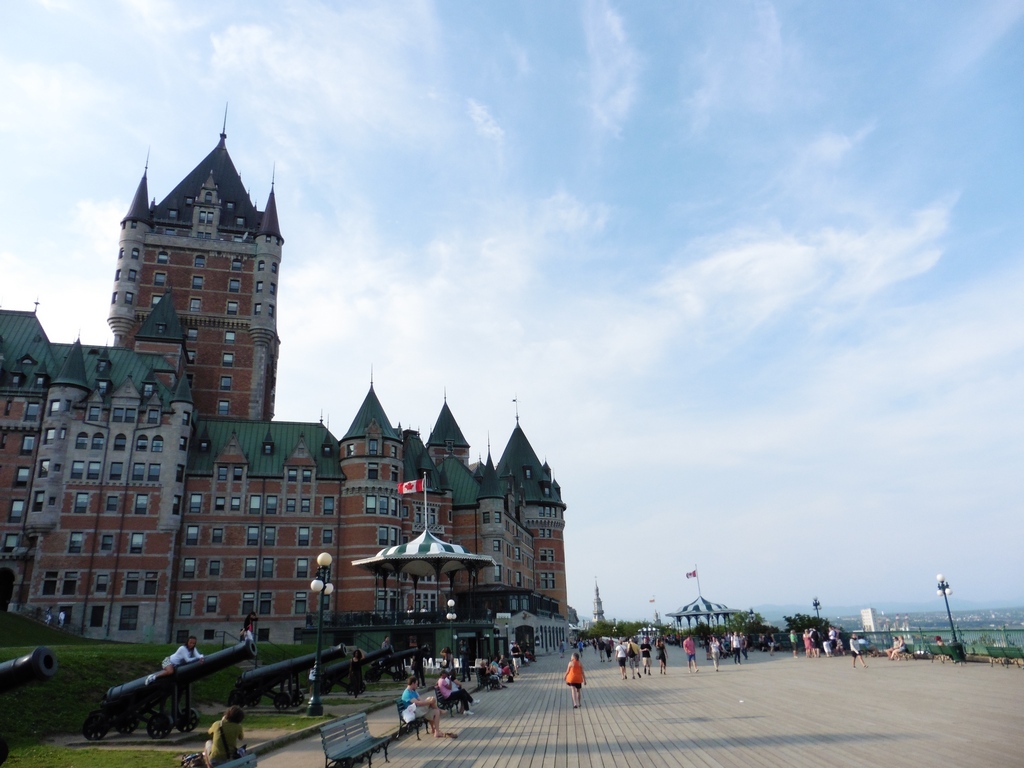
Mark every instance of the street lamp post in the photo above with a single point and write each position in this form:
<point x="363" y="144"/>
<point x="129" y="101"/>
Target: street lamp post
<point x="945" y="591"/>
<point x="817" y="608"/>
<point x="451" y="616"/>
<point x="322" y="588"/>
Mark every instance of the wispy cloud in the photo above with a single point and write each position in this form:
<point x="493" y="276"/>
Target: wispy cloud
<point x="485" y="123"/>
<point x="614" y="66"/>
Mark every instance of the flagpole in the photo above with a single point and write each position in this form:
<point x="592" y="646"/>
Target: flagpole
<point x="697" y="573"/>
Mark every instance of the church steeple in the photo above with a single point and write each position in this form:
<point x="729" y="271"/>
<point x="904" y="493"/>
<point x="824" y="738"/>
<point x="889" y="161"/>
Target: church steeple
<point x="598" y="607"/>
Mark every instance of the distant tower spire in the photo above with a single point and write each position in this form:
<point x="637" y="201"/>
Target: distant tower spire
<point x="598" y="606"/>
<point x="516" y="401"/>
<point x="224" y="127"/>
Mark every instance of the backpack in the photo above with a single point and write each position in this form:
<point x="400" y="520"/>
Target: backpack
<point x="631" y="653"/>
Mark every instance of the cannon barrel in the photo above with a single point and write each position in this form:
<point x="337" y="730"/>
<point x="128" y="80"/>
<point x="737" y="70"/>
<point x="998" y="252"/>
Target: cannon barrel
<point x="187" y="673"/>
<point x="336" y="672"/>
<point x="263" y="675"/>
<point x="41" y="664"/>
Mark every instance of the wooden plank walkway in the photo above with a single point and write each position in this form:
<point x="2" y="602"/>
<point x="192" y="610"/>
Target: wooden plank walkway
<point x="769" y="711"/>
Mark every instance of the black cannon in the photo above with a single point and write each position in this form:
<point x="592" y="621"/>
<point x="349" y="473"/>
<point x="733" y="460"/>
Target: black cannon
<point x="41" y="664"/>
<point x="336" y="673"/>
<point x="394" y="665"/>
<point x="279" y="681"/>
<point x="163" y="704"/>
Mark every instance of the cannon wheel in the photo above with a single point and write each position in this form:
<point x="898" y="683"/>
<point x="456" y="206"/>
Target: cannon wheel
<point x="253" y="700"/>
<point x="95" y="726"/>
<point x="282" y="700"/>
<point x="188" y="721"/>
<point x="128" y="725"/>
<point x="235" y="698"/>
<point x="159" y="725"/>
<point x="373" y="675"/>
<point x="325" y="688"/>
<point x="398" y="675"/>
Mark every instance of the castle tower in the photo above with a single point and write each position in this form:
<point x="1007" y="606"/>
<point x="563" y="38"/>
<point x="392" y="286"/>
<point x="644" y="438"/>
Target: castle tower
<point x="220" y="257"/>
<point x="598" y="605"/>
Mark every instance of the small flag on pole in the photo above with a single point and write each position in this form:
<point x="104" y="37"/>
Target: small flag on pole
<point x="691" y="574"/>
<point x="411" y="486"/>
<point x="651" y="600"/>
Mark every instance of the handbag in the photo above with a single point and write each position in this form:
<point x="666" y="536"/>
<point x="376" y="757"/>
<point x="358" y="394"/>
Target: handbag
<point x="233" y="754"/>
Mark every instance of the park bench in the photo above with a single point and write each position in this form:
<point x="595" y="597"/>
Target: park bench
<point x="1005" y="655"/>
<point x="941" y="652"/>
<point x="451" y="706"/>
<point x="486" y="681"/>
<point x="404" y="727"/>
<point x="348" y="741"/>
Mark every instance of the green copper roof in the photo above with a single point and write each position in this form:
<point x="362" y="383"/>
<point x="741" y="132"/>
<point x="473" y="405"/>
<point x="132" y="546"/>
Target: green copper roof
<point x="461" y="482"/>
<point x="416" y="462"/>
<point x="72" y="373"/>
<point x="182" y="392"/>
<point x="445" y="429"/>
<point x="371" y="411"/>
<point x="163" y="323"/>
<point x="490" y="487"/>
<point x="530" y="476"/>
<point x="285" y="437"/>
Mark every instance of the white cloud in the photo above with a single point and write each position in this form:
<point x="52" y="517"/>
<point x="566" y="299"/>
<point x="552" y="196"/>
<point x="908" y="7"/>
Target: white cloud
<point x="485" y="123"/>
<point x="614" y="66"/>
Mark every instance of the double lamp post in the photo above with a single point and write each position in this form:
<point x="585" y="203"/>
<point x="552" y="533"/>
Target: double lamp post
<point x="322" y="588"/>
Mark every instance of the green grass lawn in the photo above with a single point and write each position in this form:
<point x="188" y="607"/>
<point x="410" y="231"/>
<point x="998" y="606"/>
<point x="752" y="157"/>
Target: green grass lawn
<point x="86" y="669"/>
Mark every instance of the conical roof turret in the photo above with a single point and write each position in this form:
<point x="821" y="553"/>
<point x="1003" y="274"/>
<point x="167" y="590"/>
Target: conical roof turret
<point x="139" y="210"/>
<point x="268" y="223"/>
<point x="371" y="411"/>
<point x="72" y="373"/>
<point x="490" y="487"/>
<point x="447" y="429"/>
<point x="182" y="392"/>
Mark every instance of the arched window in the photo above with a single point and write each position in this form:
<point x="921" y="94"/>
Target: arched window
<point x="82" y="440"/>
<point x="158" y="444"/>
<point x="142" y="443"/>
<point x="119" y="442"/>
<point x="97" y="441"/>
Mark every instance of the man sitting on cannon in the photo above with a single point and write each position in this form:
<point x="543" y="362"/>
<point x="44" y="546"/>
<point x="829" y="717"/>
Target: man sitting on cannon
<point x="186" y="654"/>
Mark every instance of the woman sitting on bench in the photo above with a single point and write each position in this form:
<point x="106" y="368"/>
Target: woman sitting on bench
<point x="898" y="647"/>
<point x="451" y="691"/>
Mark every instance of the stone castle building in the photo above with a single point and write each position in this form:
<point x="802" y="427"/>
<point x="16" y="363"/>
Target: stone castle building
<point x="147" y="492"/>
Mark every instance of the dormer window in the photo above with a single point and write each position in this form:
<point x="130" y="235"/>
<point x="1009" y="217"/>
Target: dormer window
<point x="204" y="446"/>
<point x="173" y="213"/>
<point x="326" y="449"/>
<point x="208" y="197"/>
<point x="147" y="389"/>
<point x="240" y="221"/>
<point x="268" y="448"/>
<point x="230" y="206"/>
<point x="161" y="327"/>
<point x="527" y="472"/>
<point x="449" y="446"/>
<point x="188" y="200"/>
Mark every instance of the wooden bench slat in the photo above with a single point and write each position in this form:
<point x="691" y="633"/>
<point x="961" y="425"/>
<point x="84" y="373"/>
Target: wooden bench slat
<point x="348" y="741"/>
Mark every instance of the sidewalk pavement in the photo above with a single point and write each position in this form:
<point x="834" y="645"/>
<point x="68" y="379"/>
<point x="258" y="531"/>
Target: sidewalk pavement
<point x="768" y="711"/>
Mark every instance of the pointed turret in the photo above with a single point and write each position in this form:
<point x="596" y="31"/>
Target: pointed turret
<point x="490" y="486"/>
<point x="139" y="210"/>
<point x="182" y="392"/>
<point x="446" y="431"/>
<point x="371" y="411"/>
<point x="72" y="373"/>
<point x="163" y="323"/>
<point x="268" y="223"/>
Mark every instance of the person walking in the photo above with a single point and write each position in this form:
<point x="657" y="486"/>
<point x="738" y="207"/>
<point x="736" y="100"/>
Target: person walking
<point x="662" y="656"/>
<point x="690" y="647"/>
<point x="576" y="678"/>
<point x="61" y="618"/>
<point x="794" y="640"/>
<point x="621" y="653"/>
<point x="735" y="644"/>
<point x="645" y="654"/>
<point x="715" y="646"/>
<point x="855" y="652"/>
<point x="561" y="650"/>
<point x="48" y="618"/>
<point x="634" y="659"/>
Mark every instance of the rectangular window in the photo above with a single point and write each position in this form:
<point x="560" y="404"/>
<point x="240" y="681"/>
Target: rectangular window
<point x="185" y="604"/>
<point x="81" y="503"/>
<point x="267" y="568"/>
<point x="76" y="540"/>
<point x="255" y="503"/>
<point x="211" y="604"/>
<point x="50" y="583"/>
<point x="228" y="359"/>
<point x="265" y="605"/>
<point x="107" y="542"/>
<point x="234" y="285"/>
<point x="218" y="504"/>
<point x="271" y="505"/>
<point x="250" y="568"/>
<point x="223" y="407"/>
<point x="197" y="282"/>
<point x="236" y="503"/>
<point x="496" y="545"/>
<point x="306" y="506"/>
<point x="131" y="583"/>
<point x="292" y="475"/>
<point x="70" y="585"/>
<point x="232" y="307"/>
<point x="195" y="305"/>
<point x="138" y="471"/>
<point x="195" y="503"/>
<point x="93" y="472"/>
<point x="116" y="470"/>
<point x="303" y="536"/>
<point x="328" y="505"/>
<point x="327" y="536"/>
<point x="302" y="568"/>
<point x="225" y="383"/>
<point x="214" y="568"/>
<point x="252" y="536"/>
<point x="289" y="506"/>
<point x="229" y="337"/>
<point x="17" y="511"/>
<point x="371" y="505"/>
<point x="300" y="603"/>
<point x="141" y="503"/>
<point x="149" y="585"/>
<point x="248" y="602"/>
<point x="188" y="568"/>
<point x="77" y="470"/>
<point x="269" y="536"/>
<point x="136" y="543"/>
<point x="191" y="535"/>
<point x="307" y="475"/>
<point x="160" y="278"/>
<point x="217" y="536"/>
<point x="129" y="619"/>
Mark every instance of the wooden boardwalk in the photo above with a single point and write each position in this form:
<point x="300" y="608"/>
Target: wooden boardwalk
<point x="769" y="711"/>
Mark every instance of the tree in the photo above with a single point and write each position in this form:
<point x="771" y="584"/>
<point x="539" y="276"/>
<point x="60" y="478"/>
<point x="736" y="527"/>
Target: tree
<point x="800" y="621"/>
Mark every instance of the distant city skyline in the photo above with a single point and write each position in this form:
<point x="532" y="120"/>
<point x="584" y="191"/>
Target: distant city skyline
<point x="751" y="270"/>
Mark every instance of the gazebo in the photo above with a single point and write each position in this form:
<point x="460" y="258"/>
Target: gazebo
<point x="702" y="608"/>
<point x="426" y="555"/>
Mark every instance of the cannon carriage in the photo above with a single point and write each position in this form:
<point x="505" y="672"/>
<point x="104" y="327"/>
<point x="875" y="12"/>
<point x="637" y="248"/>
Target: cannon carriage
<point x="279" y="681"/>
<point x="40" y="664"/>
<point x="394" y="665"/>
<point x="163" y="704"/>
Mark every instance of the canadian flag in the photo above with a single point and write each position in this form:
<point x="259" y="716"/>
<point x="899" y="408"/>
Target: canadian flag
<point x="411" y="486"/>
<point x="691" y="574"/>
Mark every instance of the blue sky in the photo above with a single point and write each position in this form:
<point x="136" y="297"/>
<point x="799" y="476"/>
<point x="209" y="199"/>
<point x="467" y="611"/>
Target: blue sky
<point x="753" y="270"/>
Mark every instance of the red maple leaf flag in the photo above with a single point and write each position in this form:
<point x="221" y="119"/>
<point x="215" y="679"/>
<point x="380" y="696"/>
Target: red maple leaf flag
<point x="411" y="486"/>
<point x="691" y="574"/>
